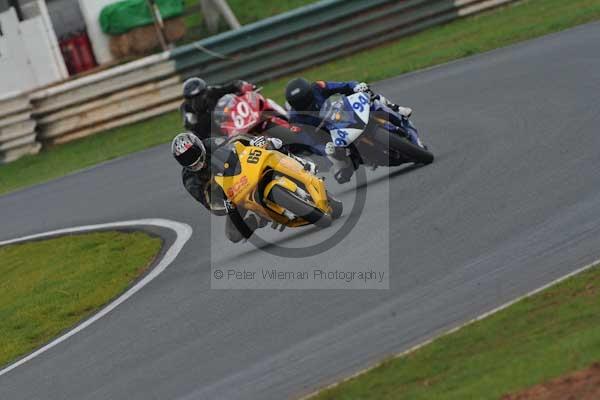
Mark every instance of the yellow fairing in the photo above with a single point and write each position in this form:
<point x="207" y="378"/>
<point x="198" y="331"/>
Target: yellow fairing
<point x="258" y="164"/>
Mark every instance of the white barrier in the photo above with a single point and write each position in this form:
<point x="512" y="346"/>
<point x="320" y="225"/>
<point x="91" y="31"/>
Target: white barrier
<point x="17" y="129"/>
<point x="152" y="86"/>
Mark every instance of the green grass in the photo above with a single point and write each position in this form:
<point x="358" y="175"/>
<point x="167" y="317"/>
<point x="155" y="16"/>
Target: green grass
<point x="49" y="286"/>
<point x="461" y="38"/>
<point x="60" y="160"/>
<point x="458" y="39"/>
<point x="539" y="338"/>
<point x="246" y="11"/>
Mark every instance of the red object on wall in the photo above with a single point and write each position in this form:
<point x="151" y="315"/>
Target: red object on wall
<point x="77" y="53"/>
<point x="84" y="48"/>
<point x="71" y="55"/>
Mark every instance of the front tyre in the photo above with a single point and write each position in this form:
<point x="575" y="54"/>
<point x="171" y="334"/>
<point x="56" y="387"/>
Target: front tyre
<point x="299" y="208"/>
<point x="404" y="147"/>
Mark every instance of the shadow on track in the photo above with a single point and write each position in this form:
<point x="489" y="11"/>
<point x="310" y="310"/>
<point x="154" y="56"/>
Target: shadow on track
<point x="313" y="229"/>
<point x="403" y="170"/>
<point x="296" y="235"/>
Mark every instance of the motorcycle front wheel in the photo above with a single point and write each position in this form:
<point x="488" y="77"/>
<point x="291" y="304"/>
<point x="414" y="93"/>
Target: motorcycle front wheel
<point x="404" y="147"/>
<point x="299" y="207"/>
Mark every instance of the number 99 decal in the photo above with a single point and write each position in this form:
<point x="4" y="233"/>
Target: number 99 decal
<point x="239" y="115"/>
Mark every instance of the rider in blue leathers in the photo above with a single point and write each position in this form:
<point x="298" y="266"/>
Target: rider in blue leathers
<point x="305" y="100"/>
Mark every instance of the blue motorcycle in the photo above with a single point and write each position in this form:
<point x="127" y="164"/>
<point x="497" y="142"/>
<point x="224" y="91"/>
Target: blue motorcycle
<point x="358" y="127"/>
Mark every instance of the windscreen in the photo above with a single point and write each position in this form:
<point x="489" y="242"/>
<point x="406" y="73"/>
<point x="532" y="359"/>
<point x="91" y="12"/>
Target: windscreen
<point x="222" y="112"/>
<point x="224" y="161"/>
<point x="336" y="112"/>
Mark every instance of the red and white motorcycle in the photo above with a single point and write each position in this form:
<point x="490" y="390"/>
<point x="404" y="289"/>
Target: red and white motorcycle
<point x="250" y="113"/>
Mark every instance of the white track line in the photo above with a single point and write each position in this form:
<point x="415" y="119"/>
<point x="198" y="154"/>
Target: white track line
<point x="183" y="232"/>
<point x="456" y="328"/>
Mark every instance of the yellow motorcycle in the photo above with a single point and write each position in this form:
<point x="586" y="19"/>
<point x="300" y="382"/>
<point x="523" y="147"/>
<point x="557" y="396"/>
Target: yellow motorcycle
<point x="272" y="185"/>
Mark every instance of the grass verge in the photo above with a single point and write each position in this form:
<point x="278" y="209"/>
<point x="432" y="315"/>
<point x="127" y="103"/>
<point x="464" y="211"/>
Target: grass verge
<point x="49" y="286"/>
<point x="501" y="27"/>
<point x="246" y="11"/>
<point x="541" y="337"/>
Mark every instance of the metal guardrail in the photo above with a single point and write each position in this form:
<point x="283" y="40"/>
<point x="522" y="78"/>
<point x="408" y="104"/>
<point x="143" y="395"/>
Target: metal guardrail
<point x="115" y="97"/>
<point x="343" y="28"/>
<point x="260" y="51"/>
<point x="17" y="129"/>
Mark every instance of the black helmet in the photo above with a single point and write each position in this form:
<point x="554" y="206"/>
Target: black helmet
<point x="192" y="87"/>
<point x="299" y="95"/>
<point x="189" y="151"/>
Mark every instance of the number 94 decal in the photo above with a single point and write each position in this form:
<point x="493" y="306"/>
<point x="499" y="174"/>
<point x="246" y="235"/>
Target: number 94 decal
<point x="340" y="140"/>
<point x="361" y="103"/>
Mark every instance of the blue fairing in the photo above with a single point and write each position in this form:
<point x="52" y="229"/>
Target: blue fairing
<point x="410" y="129"/>
<point x="408" y="126"/>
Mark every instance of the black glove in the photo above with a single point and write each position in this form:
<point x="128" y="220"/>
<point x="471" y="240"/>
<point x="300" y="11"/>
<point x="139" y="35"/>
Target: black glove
<point x="229" y="207"/>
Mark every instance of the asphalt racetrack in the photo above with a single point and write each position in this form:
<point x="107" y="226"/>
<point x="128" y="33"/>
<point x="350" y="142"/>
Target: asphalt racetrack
<point x="511" y="203"/>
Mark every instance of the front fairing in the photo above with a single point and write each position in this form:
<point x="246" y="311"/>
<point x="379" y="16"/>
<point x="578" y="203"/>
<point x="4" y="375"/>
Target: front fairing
<point x="224" y="161"/>
<point x="238" y="170"/>
<point x="345" y="117"/>
<point x="337" y="112"/>
<point x="242" y="170"/>
<point x="235" y="115"/>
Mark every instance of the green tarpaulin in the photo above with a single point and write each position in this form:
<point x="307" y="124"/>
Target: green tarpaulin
<point x="125" y="15"/>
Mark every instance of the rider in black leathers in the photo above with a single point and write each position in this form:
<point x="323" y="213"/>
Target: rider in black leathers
<point x="195" y="155"/>
<point x="200" y="101"/>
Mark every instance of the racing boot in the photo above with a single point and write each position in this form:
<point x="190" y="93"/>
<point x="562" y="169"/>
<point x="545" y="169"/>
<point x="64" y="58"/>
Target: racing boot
<point x="233" y="233"/>
<point x="404" y="111"/>
<point x="341" y="168"/>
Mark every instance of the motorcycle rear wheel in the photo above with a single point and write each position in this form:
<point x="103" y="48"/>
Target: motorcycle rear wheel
<point x="300" y="208"/>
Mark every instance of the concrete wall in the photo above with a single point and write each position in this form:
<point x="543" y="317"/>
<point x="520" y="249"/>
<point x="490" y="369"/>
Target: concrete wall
<point x="15" y="71"/>
<point x="29" y="56"/>
<point x="17" y="129"/>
